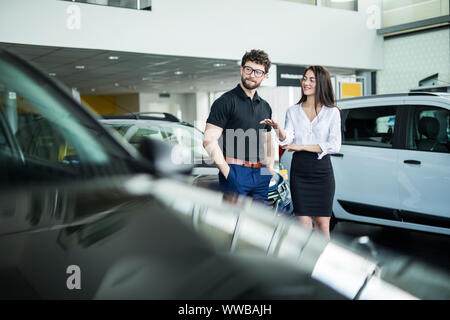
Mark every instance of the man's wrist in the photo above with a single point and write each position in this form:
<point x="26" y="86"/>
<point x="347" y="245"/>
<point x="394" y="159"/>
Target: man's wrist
<point x="224" y="168"/>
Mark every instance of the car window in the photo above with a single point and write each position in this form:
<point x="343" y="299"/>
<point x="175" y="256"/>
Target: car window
<point x="134" y="133"/>
<point x="188" y="137"/>
<point x="43" y="131"/>
<point x="6" y="150"/>
<point x="373" y="126"/>
<point x="429" y="129"/>
<point x="48" y="131"/>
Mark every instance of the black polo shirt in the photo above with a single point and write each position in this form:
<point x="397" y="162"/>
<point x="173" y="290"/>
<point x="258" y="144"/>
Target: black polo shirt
<point x="239" y="116"/>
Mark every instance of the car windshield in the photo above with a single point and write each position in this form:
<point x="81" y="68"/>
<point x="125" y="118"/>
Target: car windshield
<point x="41" y="128"/>
<point x="174" y="133"/>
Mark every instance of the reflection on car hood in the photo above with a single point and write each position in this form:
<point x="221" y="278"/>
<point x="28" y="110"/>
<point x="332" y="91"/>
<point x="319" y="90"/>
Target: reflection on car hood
<point x="92" y="215"/>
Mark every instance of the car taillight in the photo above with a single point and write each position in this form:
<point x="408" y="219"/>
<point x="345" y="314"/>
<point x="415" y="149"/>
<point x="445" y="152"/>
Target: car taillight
<point x="280" y="152"/>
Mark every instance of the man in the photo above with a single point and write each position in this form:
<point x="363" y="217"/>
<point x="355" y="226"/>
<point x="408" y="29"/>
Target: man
<point x="245" y="155"/>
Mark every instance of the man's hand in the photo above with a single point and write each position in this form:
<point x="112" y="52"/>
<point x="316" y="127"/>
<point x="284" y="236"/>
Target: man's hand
<point x="211" y="145"/>
<point x="226" y="171"/>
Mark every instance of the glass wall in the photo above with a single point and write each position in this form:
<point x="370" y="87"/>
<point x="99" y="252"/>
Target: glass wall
<point x="351" y="5"/>
<point x="396" y="12"/>
<point x="130" y="4"/>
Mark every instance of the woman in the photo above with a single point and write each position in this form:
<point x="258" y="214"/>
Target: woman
<point x="313" y="131"/>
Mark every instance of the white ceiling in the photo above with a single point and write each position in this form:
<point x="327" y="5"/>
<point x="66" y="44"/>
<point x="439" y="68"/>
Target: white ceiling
<point x="132" y="72"/>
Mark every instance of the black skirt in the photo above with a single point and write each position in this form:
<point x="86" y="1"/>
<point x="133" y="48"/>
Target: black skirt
<point x="312" y="184"/>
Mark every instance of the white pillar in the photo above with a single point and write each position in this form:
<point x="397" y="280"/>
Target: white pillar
<point x="203" y="107"/>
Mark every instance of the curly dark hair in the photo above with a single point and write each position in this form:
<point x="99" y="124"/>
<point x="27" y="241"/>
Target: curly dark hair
<point x="257" y="56"/>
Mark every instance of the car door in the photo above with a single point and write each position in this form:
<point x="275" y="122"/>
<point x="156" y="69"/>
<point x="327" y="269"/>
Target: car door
<point x="424" y="168"/>
<point x="366" y="167"/>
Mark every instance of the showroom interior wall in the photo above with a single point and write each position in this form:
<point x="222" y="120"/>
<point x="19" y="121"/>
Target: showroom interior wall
<point x="412" y="57"/>
<point x="292" y="34"/>
<point x="172" y="104"/>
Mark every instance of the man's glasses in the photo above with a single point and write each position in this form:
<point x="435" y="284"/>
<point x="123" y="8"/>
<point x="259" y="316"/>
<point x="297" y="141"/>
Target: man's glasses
<point x="249" y="70"/>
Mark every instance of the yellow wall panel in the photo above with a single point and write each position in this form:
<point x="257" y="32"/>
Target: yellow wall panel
<point x="101" y="104"/>
<point x="350" y="90"/>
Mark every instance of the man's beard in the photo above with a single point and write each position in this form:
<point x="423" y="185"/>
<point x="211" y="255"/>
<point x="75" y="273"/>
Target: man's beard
<point x="249" y="85"/>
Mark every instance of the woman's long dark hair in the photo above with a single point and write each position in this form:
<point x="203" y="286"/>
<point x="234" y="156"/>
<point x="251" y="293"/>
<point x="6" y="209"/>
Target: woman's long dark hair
<point x="324" y="90"/>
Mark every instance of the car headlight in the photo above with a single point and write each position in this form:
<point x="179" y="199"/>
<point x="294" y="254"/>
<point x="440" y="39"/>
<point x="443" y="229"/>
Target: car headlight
<point x="274" y="180"/>
<point x="283" y="190"/>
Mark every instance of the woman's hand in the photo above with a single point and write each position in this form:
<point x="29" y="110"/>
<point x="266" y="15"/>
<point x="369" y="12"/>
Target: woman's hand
<point x="271" y="123"/>
<point x="293" y="147"/>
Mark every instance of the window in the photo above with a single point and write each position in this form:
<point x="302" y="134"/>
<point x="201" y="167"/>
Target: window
<point x="372" y="127"/>
<point x="351" y="5"/>
<point x="134" y="133"/>
<point x="44" y="132"/>
<point x="6" y="152"/>
<point x="131" y="4"/>
<point x="48" y="132"/>
<point x="189" y="138"/>
<point x="429" y="129"/>
<point x="397" y="12"/>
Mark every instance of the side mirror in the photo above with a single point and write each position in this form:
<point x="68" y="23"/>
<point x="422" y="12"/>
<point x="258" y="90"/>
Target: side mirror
<point x="166" y="159"/>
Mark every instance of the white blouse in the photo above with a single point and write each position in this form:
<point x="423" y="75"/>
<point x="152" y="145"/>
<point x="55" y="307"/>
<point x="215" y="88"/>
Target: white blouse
<point x="324" y="130"/>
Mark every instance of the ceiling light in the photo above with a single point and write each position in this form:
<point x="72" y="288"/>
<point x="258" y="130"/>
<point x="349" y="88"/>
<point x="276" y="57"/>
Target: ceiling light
<point x="178" y="73"/>
<point x="93" y="89"/>
<point x="116" y="84"/>
<point x="113" y="58"/>
<point x="79" y="67"/>
<point x="146" y="78"/>
<point x="219" y="65"/>
<point x="52" y="74"/>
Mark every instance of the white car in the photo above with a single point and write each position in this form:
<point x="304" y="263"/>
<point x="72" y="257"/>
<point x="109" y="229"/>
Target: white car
<point x="394" y="165"/>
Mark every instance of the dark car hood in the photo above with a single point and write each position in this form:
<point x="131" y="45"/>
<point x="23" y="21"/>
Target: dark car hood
<point x="141" y="238"/>
<point x="127" y="242"/>
<point x="112" y="235"/>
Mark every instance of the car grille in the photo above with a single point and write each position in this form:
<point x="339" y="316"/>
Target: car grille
<point x="280" y="194"/>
